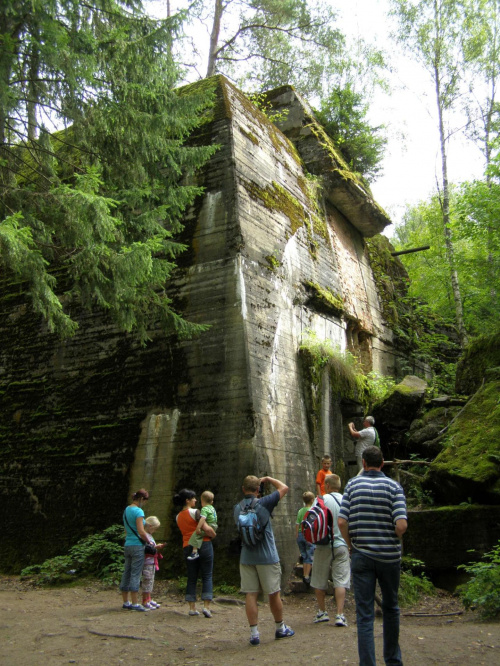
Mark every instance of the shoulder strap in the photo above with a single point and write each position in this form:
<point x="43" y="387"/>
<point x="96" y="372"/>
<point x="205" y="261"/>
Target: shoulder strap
<point x="334" y="498"/>
<point x="130" y="526"/>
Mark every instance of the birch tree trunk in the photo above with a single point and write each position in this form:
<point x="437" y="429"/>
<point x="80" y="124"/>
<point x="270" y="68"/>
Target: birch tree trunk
<point x="450" y="251"/>
<point x="214" y="38"/>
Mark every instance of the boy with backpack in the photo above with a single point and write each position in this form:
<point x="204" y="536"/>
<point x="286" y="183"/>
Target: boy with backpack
<point x="331" y="557"/>
<point x="259" y="560"/>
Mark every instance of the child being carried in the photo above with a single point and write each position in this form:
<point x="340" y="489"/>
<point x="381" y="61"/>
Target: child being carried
<point x="208" y="515"/>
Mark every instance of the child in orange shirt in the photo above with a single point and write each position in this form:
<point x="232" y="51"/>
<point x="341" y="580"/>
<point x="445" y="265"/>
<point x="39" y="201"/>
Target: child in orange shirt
<point x="326" y="461"/>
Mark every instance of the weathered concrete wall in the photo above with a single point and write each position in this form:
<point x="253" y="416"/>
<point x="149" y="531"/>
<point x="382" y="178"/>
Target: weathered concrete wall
<point x="84" y="422"/>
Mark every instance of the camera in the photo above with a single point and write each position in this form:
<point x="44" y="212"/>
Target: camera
<point x="261" y="489"/>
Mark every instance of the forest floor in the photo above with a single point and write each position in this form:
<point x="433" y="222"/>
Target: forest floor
<point x="87" y="625"/>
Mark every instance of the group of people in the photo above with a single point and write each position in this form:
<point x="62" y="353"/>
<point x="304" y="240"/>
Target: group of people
<point x="369" y="520"/>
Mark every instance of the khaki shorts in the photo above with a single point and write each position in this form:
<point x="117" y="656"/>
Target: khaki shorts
<point x="255" y="577"/>
<point x="324" y="566"/>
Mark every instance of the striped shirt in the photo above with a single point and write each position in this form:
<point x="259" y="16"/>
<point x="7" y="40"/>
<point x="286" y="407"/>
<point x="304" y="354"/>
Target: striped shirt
<point x="372" y="504"/>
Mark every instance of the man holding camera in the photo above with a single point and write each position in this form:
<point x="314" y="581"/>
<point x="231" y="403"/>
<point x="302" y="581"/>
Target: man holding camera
<point x="260" y="563"/>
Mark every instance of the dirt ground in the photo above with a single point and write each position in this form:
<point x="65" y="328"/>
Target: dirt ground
<point x="86" y="625"/>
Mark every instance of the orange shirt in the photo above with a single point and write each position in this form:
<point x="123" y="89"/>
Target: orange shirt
<point x="187" y="525"/>
<point x="320" y="478"/>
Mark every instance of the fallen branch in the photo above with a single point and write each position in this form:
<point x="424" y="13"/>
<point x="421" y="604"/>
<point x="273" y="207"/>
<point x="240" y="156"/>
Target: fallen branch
<point x="432" y="614"/>
<point x="134" y="638"/>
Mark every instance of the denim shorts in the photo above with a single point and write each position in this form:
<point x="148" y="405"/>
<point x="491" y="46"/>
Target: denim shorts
<point x="306" y="549"/>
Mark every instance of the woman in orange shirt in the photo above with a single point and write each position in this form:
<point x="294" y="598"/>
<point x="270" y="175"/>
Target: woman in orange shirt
<point x="187" y="521"/>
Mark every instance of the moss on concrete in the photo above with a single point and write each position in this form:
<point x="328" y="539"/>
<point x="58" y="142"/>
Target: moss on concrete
<point x="275" y="197"/>
<point x="472" y="441"/>
<point x="482" y="354"/>
<point x="323" y="299"/>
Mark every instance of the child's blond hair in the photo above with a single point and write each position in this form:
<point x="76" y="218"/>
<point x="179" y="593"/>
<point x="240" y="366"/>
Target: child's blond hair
<point x="152" y="521"/>
<point x="207" y="496"/>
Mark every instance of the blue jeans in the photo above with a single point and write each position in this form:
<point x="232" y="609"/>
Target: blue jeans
<point x="134" y="560"/>
<point x="202" y="564"/>
<point x="306" y="549"/>
<point x="365" y="573"/>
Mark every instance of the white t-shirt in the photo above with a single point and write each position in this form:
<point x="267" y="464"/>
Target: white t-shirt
<point x="366" y="438"/>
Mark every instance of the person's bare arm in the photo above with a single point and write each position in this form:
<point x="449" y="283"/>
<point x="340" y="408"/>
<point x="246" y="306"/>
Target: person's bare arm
<point x="401" y="527"/>
<point x="140" y="529"/>
<point x="200" y="525"/>
<point x="281" y="487"/>
<point x="209" y="531"/>
<point x="318" y="489"/>
<point x="344" y="530"/>
<point x="353" y="431"/>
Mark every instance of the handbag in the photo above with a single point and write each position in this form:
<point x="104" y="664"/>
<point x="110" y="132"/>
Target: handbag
<point x="149" y="548"/>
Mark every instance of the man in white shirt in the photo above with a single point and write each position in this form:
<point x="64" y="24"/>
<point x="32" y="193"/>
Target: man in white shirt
<point x="365" y="438"/>
<point x="334" y="558"/>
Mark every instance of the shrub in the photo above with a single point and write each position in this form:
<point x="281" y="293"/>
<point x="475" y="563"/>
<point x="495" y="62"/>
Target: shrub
<point x="413" y="583"/>
<point x="483" y="590"/>
<point x="99" y="555"/>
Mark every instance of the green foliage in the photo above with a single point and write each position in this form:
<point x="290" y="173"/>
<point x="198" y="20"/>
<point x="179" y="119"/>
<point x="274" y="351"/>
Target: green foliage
<point x="483" y="590"/>
<point x="343" y="114"/>
<point x="378" y="386"/>
<point x="345" y="372"/>
<point x="422" y="334"/>
<point x="481" y="354"/>
<point x="413" y="582"/>
<point x="89" y="215"/>
<point x="346" y="377"/>
<point x="474" y="213"/>
<point x="471" y="444"/>
<point x="261" y="102"/>
<point x="99" y="555"/>
<point x="225" y="588"/>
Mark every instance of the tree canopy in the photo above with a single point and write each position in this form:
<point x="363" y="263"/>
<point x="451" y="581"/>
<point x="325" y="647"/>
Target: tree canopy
<point x="89" y="212"/>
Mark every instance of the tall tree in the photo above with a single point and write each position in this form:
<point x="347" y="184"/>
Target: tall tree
<point x="434" y="31"/>
<point x="93" y="209"/>
<point x="349" y="82"/>
<point x="475" y="207"/>
<point x="483" y="107"/>
<point x="257" y="43"/>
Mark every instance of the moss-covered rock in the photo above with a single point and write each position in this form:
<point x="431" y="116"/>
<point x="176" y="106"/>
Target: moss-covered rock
<point x="468" y="468"/>
<point x="482" y="354"/>
<point x="397" y="411"/>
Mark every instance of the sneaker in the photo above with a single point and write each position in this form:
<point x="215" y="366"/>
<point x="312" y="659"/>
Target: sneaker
<point x="155" y="603"/>
<point x="255" y="640"/>
<point x="340" y="621"/>
<point x="322" y="616"/>
<point x="307" y="580"/>
<point x="127" y="605"/>
<point x="193" y="556"/>
<point x="195" y="612"/>
<point x="152" y="604"/>
<point x="285" y="632"/>
<point x="206" y="612"/>
<point x="138" y="607"/>
<point x="149" y="605"/>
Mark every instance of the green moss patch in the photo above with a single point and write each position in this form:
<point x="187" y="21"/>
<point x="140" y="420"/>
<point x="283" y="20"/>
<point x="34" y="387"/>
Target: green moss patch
<point x="275" y="197"/>
<point x="324" y="300"/>
<point x="482" y="354"/>
<point x="472" y="442"/>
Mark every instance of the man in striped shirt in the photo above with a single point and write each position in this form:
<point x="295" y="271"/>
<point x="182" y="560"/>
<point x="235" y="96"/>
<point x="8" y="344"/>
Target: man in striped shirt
<point x="372" y="520"/>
